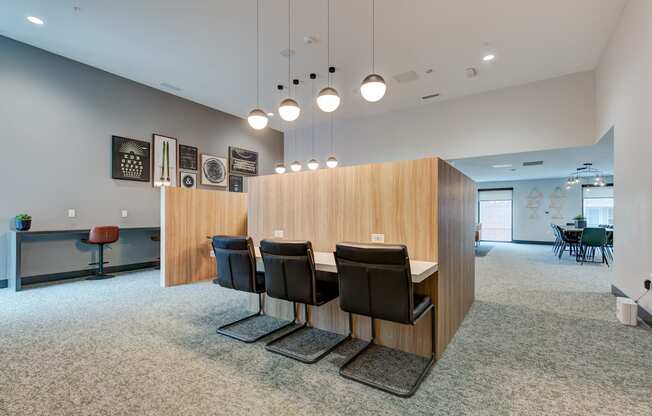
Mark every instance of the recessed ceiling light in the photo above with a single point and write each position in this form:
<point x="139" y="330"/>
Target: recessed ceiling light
<point x="489" y="57"/>
<point x="35" y="20"/>
<point x="507" y="165"/>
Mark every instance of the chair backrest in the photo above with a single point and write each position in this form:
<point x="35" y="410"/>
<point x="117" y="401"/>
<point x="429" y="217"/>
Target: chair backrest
<point x="104" y="235"/>
<point x="236" y="263"/>
<point x="289" y="270"/>
<point x="594" y="237"/>
<point x="375" y="280"/>
<point x="555" y="231"/>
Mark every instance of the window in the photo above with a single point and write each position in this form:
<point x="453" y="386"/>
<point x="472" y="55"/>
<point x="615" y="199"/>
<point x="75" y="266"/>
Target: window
<point x="598" y="205"/>
<point x="495" y="214"/>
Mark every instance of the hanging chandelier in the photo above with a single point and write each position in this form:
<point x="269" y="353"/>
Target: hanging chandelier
<point x="586" y="175"/>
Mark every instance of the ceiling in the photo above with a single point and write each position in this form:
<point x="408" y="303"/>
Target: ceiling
<point x="557" y="163"/>
<point x="205" y="49"/>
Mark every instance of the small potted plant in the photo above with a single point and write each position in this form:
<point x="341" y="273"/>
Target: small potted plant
<point x="23" y="222"/>
<point x="580" y="221"/>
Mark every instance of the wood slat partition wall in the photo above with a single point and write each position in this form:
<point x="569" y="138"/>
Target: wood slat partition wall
<point x="188" y="216"/>
<point x="397" y="199"/>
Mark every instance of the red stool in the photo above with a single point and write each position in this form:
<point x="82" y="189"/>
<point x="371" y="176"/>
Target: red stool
<point x="101" y="236"/>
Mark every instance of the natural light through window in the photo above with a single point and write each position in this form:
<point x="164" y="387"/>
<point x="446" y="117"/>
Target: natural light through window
<point x="598" y="203"/>
<point x="495" y="214"/>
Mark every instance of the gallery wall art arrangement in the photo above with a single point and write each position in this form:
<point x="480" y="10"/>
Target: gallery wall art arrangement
<point x="167" y="163"/>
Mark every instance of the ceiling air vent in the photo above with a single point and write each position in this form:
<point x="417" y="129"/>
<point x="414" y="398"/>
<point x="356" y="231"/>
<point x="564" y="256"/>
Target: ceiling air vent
<point x="427" y="97"/>
<point x="408" y="76"/>
<point x="534" y="163"/>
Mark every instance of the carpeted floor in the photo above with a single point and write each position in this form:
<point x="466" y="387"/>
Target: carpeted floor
<point x="541" y="339"/>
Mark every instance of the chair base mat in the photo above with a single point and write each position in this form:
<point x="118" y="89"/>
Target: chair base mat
<point x="306" y="344"/>
<point x="388" y="369"/>
<point x="252" y="328"/>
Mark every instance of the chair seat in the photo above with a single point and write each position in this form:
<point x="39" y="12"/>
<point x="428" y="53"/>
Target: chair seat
<point x="325" y="291"/>
<point x="421" y="304"/>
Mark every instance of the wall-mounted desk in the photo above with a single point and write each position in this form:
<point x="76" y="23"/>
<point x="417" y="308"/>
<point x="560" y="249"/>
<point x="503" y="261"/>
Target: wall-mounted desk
<point x="325" y="262"/>
<point x="17" y="238"/>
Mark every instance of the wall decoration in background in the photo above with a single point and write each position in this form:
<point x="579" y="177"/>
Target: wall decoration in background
<point x="188" y="157"/>
<point x="236" y="183"/>
<point x="557" y="200"/>
<point x="244" y="162"/>
<point x="213" y="171"/>
<point x="534" y="202"/>
<point x="130" y="159"/>
<point x="188" y="179"/>
<point x="165" y="161"/>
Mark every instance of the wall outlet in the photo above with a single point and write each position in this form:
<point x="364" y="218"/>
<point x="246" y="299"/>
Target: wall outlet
<point x="377" y="238"/>
<point x="124" y="213"/>
<point x="72" y="213"/>
<point x="278" y="233"/>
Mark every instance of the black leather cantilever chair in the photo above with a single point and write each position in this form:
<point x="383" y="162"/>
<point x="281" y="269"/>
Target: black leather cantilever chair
<point x="236" y="264"/>
<point x="290" y="275"/>
<point x="375" y="281"/>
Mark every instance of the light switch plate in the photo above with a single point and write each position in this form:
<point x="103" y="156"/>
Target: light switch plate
<point x="124" y="213"/>
<point x="377" y="238"/>
<point x="72" y="213"/>
<point x="278" y="233"/>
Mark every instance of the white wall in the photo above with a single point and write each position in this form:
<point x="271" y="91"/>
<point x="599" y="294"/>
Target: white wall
<point x="543" y="115"/>
<point x="623" y="90"/>
<point x="534" y="224"/>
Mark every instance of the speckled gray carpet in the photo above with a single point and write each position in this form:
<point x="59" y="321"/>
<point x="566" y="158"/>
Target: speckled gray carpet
<point x="541" y="339"/>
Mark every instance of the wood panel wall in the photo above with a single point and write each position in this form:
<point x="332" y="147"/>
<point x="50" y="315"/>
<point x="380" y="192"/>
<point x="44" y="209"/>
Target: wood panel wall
<point x="188" y="216"/>
<point x="456" y="235"/>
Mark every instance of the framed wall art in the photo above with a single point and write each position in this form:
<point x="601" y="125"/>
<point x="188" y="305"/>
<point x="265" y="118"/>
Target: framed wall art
<point x="213" y="171"/>
<point x="236" y="183"/>
<point x="188" y="180"/>
<point x="188" y="157"/>
<point x="243" y="162"/>
<point x="164" y="172"/>
<point x="130" y="159"/>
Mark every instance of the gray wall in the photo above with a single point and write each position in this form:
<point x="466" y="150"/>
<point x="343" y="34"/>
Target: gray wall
<point x="57" y="117"/>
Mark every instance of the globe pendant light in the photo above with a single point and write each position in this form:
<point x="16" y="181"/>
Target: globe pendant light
<point x="313" y="164"/>
<point x="328" y="99"/>
<point x="280" y="168"/>
<point x="373" y="86"/>
<point x="257" y="118"/>
<point x="289" y="109"/>
<point x="295" y="166"/>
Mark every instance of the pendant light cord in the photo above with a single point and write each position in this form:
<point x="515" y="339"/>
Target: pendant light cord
<point x="258" y="53"/>
<point x="373" y="36"/>
<point x="329" y="43"/>
<point x="331" y="114"/>
<point x="312" y="117"/>
<point x="289" y="47"/>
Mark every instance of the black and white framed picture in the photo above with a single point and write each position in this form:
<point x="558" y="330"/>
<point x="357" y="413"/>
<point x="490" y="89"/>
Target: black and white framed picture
<point x="236" y="183"/>
<point x="213" y="171"/>
<point x="243" y="162"/>
<point x="130" y="159"/>
<point x="188" y="157"/>
<point x="188" y="179"/>
<point x="164" y="171"/>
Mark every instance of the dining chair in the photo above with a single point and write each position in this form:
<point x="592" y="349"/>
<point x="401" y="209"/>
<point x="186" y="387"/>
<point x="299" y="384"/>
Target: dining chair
<point x="567" y="241"/>
<point x="593" y="239"/>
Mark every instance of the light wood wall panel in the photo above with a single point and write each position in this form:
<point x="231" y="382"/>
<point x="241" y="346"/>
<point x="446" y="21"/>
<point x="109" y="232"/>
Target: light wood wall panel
<point x="188" y="216"/>
<point x="400" y="200"/>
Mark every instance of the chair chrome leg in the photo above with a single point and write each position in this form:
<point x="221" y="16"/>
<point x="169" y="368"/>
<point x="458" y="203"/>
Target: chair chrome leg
<point x="222" y="329"/>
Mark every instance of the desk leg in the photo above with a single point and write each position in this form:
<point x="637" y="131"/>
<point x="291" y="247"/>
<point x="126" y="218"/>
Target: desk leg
<point x="14" y="262"/>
